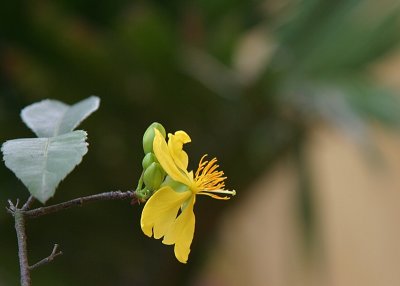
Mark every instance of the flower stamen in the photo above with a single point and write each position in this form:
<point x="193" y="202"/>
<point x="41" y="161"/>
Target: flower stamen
<point x="209" y="181"/>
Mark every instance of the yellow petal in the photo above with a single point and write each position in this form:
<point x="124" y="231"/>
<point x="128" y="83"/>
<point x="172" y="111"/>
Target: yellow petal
<point x="182" y="231"/>
<point x="175" y="145"/>
<point x="164" y="157"/>
<point x="161" y="210"/>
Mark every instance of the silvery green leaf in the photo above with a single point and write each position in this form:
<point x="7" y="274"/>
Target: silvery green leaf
<point x="49" y="118"/>
<point x="41" y="163"/>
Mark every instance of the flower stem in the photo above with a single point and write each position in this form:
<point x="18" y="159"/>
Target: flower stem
<point x="140" y="183"/>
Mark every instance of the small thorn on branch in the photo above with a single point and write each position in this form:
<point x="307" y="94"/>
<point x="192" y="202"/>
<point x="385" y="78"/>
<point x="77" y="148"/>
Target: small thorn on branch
<point x="48" y="259"/>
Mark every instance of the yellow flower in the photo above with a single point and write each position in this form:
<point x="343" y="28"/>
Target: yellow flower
<point x="169" y="211"/>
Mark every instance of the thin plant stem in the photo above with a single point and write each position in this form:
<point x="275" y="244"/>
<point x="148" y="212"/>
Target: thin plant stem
<point x="55" y="252"/>
<point x="114" y="195"/>
<point x="28" y="203"/>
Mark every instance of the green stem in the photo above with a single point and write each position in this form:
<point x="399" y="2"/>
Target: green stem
<point x="141" y="194"/>
<point x="140" y="183"/>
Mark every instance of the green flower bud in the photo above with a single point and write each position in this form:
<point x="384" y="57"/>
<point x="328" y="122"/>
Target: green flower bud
<point x="153" y="176"/>
<point x="148" y="159"/>
<point x="148" y="136"/>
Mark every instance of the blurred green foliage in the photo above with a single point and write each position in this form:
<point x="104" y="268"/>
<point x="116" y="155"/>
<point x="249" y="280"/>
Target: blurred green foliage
<point x="246" y="79"/>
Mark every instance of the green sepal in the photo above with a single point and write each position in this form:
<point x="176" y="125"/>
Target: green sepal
<point x="143" y="194"/>
<point x="176" y="186"/>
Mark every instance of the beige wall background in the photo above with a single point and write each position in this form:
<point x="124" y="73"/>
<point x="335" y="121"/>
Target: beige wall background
<point x="356" y="239"/>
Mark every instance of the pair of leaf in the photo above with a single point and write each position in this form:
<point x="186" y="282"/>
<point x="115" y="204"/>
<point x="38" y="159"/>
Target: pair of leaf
<point x="41" y="163"/>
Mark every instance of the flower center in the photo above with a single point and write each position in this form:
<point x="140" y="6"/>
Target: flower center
<point x="209" y="181"/>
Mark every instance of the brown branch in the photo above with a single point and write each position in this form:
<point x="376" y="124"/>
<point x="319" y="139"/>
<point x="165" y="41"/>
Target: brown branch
<point x="115" y="195"/>
<point x="48" y="259"/>
<point x="20" y="214"/>
<point x="22" y="247"/>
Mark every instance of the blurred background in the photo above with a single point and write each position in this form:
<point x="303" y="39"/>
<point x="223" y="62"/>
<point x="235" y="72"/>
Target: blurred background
<point x="297" y="99"/>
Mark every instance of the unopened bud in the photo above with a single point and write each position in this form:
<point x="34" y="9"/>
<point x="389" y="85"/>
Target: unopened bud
<point x="148" y="136"/>
<point x="153" y="176"/>
<point x="148" y="159"/>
